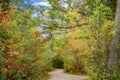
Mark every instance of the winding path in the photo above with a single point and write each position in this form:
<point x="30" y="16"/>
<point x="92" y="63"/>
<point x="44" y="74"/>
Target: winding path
<point x="58" y="74"/>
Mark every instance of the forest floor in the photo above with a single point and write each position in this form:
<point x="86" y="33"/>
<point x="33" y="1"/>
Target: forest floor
<point x="58" y="74"/>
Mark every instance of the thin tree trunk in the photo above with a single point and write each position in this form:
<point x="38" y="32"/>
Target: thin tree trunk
<point x="52" y="43"/>
<point x="116" y="39"/>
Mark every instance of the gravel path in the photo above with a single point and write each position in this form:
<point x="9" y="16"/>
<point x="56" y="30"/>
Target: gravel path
<point x="58" y="74"/>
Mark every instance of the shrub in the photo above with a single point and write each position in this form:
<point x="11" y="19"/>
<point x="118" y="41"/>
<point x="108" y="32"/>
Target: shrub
<point x="74" y="66"/>
<point x="68" y="64"/>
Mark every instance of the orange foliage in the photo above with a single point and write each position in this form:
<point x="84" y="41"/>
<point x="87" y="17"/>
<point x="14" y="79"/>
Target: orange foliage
<point x="12" y="53"/>
<point x="2" y="47"/>
<point x="36" y="33"/>
<point x="75" y="45"/>
<point x="5" y="15"/>
<point x="13" y="7"/>
<point x="4" y="19"/>
<point x="4" y="70"/>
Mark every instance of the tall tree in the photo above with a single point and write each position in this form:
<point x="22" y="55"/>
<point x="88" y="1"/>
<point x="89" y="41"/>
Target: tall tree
<point x="116" y="38"/>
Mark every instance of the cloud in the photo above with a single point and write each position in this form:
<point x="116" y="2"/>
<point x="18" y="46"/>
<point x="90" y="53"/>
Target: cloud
<point x="65" y="5"/>
<point x="46" y="3"/>
<point x="43" y="3"/>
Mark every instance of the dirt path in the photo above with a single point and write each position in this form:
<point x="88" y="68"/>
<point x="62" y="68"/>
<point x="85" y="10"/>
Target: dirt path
<point x="58" y="74"/>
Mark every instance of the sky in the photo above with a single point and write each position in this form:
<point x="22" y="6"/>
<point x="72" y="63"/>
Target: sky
<point x="37" y="0"/>
<point x="40" y="2"/>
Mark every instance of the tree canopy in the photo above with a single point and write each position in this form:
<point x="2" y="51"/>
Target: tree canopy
<point x="80" y="36"/>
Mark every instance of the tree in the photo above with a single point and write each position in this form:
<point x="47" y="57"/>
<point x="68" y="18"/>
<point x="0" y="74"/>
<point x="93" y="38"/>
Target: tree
<point x="116" y="39"/>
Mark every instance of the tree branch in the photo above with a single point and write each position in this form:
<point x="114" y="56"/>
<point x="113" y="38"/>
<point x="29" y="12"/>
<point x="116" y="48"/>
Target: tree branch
<point x="73" y="26"/>
<point x="81" y="12"/>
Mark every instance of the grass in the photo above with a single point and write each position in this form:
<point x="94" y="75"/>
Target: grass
<point x="76" y="73"/>
<point x="45" y="76"/>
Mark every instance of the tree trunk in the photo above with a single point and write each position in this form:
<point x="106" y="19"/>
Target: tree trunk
<point x="116" y="39"/>
<point x="52" y="43"/>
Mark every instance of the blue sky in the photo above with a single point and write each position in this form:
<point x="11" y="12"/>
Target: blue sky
<point x="36" y="1"/>
<point x="40" y="2"/>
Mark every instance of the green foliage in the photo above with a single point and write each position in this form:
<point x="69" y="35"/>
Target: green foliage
<point x="68" y="64"/>
<point x="39" y="67"/>
<point x="58" y="61"/>
<point x="19" y="51"/>
<point x="60" y="42"/>
<point x="72" y="66"/>
<point x="99" y="39"/>
<point x="80" y="33"/>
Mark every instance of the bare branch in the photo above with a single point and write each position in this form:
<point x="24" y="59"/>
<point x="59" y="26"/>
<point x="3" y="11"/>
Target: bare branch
<point x="68" y="4"/>
<point x="81" y="12"/>
<point x="73" y="26"/>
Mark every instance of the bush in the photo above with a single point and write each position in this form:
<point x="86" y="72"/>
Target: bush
<point x="26" y="67"/>
<point x="71" y="65"/>
<point x="68" y="64"/>
<point x="40" y="67"/>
